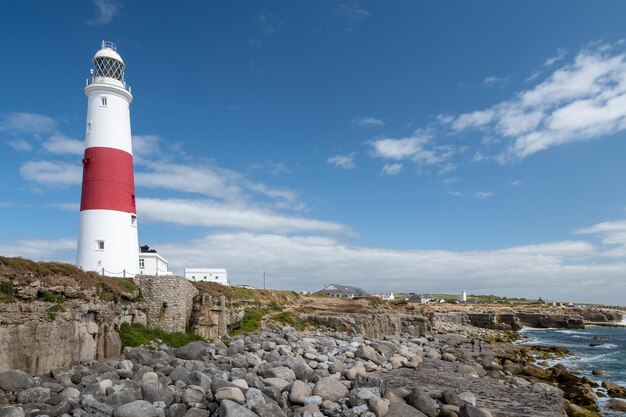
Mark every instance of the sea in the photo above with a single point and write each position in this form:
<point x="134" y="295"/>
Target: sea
<point x="601" y="348"/>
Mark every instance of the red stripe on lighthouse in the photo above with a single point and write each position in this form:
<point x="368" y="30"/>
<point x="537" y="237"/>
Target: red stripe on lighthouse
<point x="108" y="181"/>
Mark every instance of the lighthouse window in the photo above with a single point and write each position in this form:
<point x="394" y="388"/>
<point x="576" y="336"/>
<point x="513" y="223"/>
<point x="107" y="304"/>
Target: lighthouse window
<point x="100" y="244"/>
<point x="141" y="263"/>
<point x="104" y="101"/>
<point x="133" y="220"/>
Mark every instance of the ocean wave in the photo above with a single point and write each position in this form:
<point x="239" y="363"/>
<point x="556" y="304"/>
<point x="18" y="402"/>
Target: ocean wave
<point x="569" y="331"/>
<point x="606" y="346"/>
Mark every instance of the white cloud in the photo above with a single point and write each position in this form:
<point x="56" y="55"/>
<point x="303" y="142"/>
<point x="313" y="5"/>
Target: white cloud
<point x="27" y="123"/>
<point x="515" y="183"/>
<point x="105" y="12"/>
<point x="342" y="161"/>
<point x="454" y="193"/>
<point x="417" y="148"/>
<point x="212" y="214"/>
<point x="63" y="250"/>
<point x="20" y="145"/>
<point x="493" y="80"/>
<point x="391" y="169"/>
<point x="551" y="270"/>
<point x="62" y="145"/>
<point x="560" y="54"/>
<point x="581" y="100"/>
<point x="350" y="14"/>
<point x="483" y="194"/>
<point x="55" y="173"/>
<point x="367" y="122"/>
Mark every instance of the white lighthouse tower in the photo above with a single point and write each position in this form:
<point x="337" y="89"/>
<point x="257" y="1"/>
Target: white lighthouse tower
<point x="107" y="239"/>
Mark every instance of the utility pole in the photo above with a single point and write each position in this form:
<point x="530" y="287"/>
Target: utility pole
<point x="263" y="279"/>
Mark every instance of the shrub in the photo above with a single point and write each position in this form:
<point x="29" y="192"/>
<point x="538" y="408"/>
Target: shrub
<point x="286" y="318"/>
<point x="52" y="311"/>
<point x="251" y="321"/>
<point x="274" y="306"/>
<point x="135" y="335"/>
<point x="51" y="297"/>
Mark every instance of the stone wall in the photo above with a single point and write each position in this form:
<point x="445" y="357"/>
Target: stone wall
<point x="168" y="301"/>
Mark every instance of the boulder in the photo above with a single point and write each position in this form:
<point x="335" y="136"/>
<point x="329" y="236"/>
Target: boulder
<point x="192" y="351"/>
<point x="468" y="397"/>
<point x="299" y="391"/>
<point x="403" y="410"/>
<point x="614" y="390"/>
<point x="91" y="405"/>
<point x="450" y="397"/>
<point x="330" y="389"/>
<point x="15" y="380"/>
<point x="378" y="406"/>
<point x="468" y="410"/>
<point x="232" y="409"/>
<point x="138" y="408"/>
<point x="197" y="412"/>
<point x="230" y="393"/>
<point x="422" y="401"/>
<point x="11" y="412"/>
<point x="34" y="395"/>
<point x="368" y="353"/>
<point x="619" y="405"/>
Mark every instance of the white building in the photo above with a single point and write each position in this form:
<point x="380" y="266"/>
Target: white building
<point x="218" y="275"/>
<point x="151" y="263"/>
<point x="463" y="296"/>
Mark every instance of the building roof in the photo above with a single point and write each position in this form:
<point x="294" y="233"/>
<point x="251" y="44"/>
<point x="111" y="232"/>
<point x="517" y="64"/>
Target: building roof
<point x="344" y="289"/>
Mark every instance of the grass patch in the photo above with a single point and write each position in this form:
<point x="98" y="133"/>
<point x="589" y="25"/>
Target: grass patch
<point x="6" y="292"/>
<point x="136" y="335"/>
<point x="51" y="297"/>
<point x="52" y="311"/>
<point x="286" y="318"/>
<point x="274" y="306"/>
<point x="251" y="321"/>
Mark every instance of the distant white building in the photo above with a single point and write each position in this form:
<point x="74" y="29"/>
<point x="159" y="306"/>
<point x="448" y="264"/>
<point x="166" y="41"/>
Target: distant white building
<point x="151" y="263"/>
<point x="218" y="275"/>
<point x="385" y="296"/>
<point x="463" y="296"/>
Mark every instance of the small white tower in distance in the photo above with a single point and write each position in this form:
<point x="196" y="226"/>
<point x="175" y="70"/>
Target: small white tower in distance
<point x="107" y="239"/>
<point x="463" y="296"/>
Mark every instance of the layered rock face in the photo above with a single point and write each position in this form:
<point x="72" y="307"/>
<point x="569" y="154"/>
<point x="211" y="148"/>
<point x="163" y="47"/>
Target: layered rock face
<point x="46" y="328"/>
<point x="376" y="325"/>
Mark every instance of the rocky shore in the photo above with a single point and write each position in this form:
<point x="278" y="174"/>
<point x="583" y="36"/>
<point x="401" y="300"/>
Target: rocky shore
<point x="286" y="373"/>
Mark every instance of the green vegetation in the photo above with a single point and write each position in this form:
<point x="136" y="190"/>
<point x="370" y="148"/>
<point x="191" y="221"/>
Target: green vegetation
<point x="6" y="292"/>
<point x="286" y="318"/>
<point x="274" y="306"/>
<point x="51" y="297"/>
<point x="135" y="335"/>
<point x="52" y="311"/>
<point x="242" y="292"/>
<point x="251" y="321"/>
<point x="494" y="299"/>
<point x="129" y="285"/>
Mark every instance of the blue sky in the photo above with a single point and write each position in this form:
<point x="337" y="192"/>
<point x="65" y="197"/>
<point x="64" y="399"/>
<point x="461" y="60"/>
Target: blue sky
<point x="411" y="146"/>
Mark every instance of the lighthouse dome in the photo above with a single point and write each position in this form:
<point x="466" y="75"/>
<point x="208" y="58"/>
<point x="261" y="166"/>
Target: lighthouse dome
<point x="108" y="63"/>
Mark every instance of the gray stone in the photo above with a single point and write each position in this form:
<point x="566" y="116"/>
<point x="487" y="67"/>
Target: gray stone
<point x="200" y="379"/>
<point x="360" y="396"/>
<point x="269" y="410"/>
<point x="615" y="404"/>
<point x="368" y="353"/>
<point x="313" y="400"/>
<point x="468" y="397"/>
<point x="232" y="409"/>
<point x="468" y="410"/>
<point x="230" y="393"/>
<point x="138" y="408"/>
<point x="403" y="410"/>
<point x="15" y="380"/>
<point x="192" y="351"/>
<point x="193" y="394"/>
<point x="34" y="395"/>
<point x="197" y="412"/>
<point x="119" y="398"/>
<point x="176" y="410"/>
<point x="422" y="401"/>
<point x="450" y="397"/>
<point x="299" y="391"/>
<point x="91" y="405"/>
<point x="254" y="398"/>
<point x="378" y="406"/>
<point x="152" y="393"/>
<point x="11" y="412"/>
<point x="330" y="389"/>
<point x="150" y="378"/>
<point x="70" y="392"/>
<point x="276" y="382"/>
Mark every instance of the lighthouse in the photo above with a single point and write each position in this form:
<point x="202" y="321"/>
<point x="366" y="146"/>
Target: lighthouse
<point x="107" y="238"/>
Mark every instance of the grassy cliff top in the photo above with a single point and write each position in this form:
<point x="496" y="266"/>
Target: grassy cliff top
<point x="22" y="272"/>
